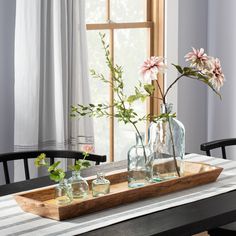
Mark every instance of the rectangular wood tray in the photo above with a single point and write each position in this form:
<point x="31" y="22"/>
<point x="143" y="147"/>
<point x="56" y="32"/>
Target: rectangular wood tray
<point x="41" y="202"/>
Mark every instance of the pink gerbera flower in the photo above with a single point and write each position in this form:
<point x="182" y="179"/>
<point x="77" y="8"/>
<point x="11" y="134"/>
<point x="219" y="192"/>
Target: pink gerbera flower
<point x="217" y="79"/>
<point x="197" y="58"/>
<point x="88" y="148"/>
<point x="151" y="67"/>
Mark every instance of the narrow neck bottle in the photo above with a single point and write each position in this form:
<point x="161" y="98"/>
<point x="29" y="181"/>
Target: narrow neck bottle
<point x="140" y="139"/>
<point x="76" y="174"/>
<point x="166" y="108"/>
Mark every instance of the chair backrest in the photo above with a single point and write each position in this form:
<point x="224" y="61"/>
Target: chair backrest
<point x="222" y="143"/>
<point x="51" y="154"/>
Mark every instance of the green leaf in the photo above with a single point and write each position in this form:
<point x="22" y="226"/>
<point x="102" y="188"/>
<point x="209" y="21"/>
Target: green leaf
<point x="86" y="164"/>
<point x="149" y="88"/>
<point x="53" y="166"/>
<point x="57" y="175"/>
<point x="132" y="98"/>
<point x="179" y="68"/>
<point x="40" y="160"/>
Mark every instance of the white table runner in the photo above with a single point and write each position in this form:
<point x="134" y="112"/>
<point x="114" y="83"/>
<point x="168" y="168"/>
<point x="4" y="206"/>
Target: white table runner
<point x="13" y="221"/>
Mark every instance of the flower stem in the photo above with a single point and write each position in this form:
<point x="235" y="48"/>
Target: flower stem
<point x="173" y="147"/>
<point x="171" y="85"/>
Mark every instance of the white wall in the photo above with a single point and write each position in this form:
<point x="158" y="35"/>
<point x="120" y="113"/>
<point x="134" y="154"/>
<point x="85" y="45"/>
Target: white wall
<point x="7" y="22"/>
<point x="192" y="95"/>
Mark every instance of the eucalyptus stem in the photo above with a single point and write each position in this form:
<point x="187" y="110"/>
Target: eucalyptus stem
<point x="145" y="155"/>
<point x="133" y="123"/>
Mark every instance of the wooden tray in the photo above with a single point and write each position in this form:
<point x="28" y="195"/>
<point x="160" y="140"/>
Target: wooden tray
<point x="41" y="202"/>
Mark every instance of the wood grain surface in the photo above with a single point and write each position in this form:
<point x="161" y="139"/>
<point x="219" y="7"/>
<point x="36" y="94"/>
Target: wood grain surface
<point x="41" y="202"/>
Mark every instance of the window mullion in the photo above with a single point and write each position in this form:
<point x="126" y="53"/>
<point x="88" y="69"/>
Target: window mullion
<point x="156" y="15"/>
<point x="111" y="92"/>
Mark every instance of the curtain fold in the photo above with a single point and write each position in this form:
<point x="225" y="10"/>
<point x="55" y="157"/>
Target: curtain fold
<point x="51" y="74"/>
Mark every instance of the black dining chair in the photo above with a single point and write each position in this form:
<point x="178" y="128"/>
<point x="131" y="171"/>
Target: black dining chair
<point x="221" y="143"/>
<point x="207" y="147"/>
<point x="51" y="154"/>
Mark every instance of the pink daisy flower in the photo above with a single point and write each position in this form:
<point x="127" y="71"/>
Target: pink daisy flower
<point x="197" y="58"/>
<point x="151" y="67"/>
<point x="217" y="79"/>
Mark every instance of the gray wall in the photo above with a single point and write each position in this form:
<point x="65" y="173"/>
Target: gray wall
<point x="7" y="24"/>
<point x="221" y="43"/>
<point x="192" y="95"/>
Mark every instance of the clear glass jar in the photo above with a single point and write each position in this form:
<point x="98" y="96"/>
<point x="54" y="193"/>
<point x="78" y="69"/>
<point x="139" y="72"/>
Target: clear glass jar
<point x="79" y="185"/>
<point x="100" y="186"/>
<point x="164" y="135"/>
<point x="63" y="193"/>
<point x="140" y="161"/>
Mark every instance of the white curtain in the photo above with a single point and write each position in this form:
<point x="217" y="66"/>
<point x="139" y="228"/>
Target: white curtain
<point x="221" y="43"/>
<point x="51" y="74"/>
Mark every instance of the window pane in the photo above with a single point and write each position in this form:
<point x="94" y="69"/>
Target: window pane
<point x="130" y="52"/>
<point x="95" y="11"/>
<point x="128" y="10"/>
<point x="98" y="90"/>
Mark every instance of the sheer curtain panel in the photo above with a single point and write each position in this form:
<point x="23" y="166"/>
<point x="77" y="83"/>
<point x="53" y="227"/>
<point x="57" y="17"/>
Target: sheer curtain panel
<point x="51" y="74"/>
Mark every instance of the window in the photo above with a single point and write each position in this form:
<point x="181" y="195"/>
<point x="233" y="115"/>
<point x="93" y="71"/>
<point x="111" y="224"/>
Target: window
<point x="134" y="30"/>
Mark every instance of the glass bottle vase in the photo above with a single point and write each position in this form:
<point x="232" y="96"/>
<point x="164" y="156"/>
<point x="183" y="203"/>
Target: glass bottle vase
<point x="100" y="186"/>
<point x="79" y="185"/>
<point x="63" y="193"/>
<point x="166" y="138"/>
<point x="140" y="161"/>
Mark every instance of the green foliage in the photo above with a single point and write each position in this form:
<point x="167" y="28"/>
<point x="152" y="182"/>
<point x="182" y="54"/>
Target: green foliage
<point x="57" y="174"/>
<point x="81" y="164"/>
<point x="195" y="74"/>
<point x="123" y="104"/>
<point x="53" y="166"/>
<point x="179" y="68"/>
<point x="40" y="160"/>
<point x="149" y="88"/>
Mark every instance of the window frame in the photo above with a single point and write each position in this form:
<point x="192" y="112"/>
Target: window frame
<point x="155" y="22"/>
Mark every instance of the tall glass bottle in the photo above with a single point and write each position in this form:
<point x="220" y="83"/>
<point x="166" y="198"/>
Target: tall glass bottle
<point x="140" y="161"/>
<point x="166" y="137"/>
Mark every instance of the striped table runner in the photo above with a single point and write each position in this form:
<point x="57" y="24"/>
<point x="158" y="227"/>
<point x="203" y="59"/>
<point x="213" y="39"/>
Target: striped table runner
<point x="13" y="221"/>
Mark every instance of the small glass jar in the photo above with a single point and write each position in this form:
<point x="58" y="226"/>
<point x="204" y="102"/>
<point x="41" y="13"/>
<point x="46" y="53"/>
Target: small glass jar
<point x="79" y="185"/>
<point x="63" y="193"/>
<point x="100" y="186"/>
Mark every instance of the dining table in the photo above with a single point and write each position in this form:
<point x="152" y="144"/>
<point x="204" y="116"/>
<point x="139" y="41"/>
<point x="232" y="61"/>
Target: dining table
<point x="180" y="213"/>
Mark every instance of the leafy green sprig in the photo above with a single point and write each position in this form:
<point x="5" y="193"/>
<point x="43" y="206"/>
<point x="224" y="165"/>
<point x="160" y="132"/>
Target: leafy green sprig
<point x="81" y="164"/>
<point x="122" y="104"/>
<point x="55" y="173"/>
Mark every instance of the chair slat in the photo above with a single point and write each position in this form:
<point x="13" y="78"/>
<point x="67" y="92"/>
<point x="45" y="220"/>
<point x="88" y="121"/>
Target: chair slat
<point x="6" y="172"/>
<point x="208" y="152"/>
<point x="52" y="160"/>
<point x="26" y="166"/>
<point x="223" y="152"/>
